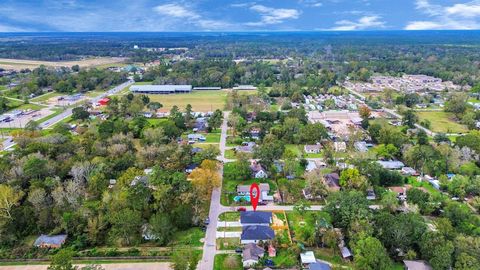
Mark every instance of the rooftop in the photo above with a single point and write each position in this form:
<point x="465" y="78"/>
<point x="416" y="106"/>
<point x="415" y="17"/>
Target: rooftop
<point x="255" y="217"/>
<point x="255" y="232"/>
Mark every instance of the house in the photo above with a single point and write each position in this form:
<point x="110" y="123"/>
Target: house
<point x="345" y="252"/>
<point x="103" y="101"/>
<point x="307" y="258"/>
<point x="409" y="171"/>
<point x="200" y="124"/>
<point x="256" y="233"/>
<point x="246" y="147"/>
<point x="401" y="192"/>
<point x="255" y="133"/>
<point x="139" y="179"/>
<point x="319" y="266"/>
<point x="361" y="146"/>
<point x="251" y="254"/>
<point x="391" y="164"/>
<point x="258" y="171"/>
<point x="371" y="195"/>
<point x="255" y="218"/>
<point x="190" y="168"/>
<point x="196" y="137"/>
<point x="244" y="190"/>
<point x="196" y="150"/>
<point x="416" y="265"/>
<point x="245" y="87"/>
<point x="340" y="146"/>
<point x="53" y="241"/>
<point x="332" y="180"/>
<point x="312" y="149"/>
<point x="311" y="165"/>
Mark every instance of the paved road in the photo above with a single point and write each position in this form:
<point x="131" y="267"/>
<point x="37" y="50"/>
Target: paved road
<point x="109" y="266"/>
<point x="209" y="247"/>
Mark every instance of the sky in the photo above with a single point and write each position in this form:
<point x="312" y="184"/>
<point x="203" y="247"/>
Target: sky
<point x="236" y="15"/>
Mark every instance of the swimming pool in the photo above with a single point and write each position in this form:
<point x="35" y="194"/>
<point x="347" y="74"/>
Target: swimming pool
<point x="245" y="198"/>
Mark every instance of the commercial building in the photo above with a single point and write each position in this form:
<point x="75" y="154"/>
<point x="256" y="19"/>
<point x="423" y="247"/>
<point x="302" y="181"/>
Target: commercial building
<point x="161" y="89"/>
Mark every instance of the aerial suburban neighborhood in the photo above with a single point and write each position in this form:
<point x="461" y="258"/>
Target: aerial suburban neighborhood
<point x="240" y="150"/>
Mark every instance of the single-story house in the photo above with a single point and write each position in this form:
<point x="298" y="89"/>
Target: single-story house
<point x="340" y="146"/>
<point x="319" y="266"/>
<point x="401" y="192"/>
<point x="196" y="150"/>
<point x="196" y="137"/>
<point x="139" y="179"/>
<point x="345" y="252"/>
<point x="257" y="170"/>
<point x="312" y="148"/>
<point x="249" y="218"/>
<point x="246" y="147"/>
<point x="416" y="265"/>
<point x="391" y="164"/>
<point x="361" y="146"/>
<point x="50" y="241"/>
<point x="200" y="124"/>
<point x="251" y="254"/>
<point x="332" y="180"/>
<point x="409" y="171"/>
<point x="255" y="133"/>
<point x="244" y="190"/>
<point x="256" y="233"/>
<point x="307" y="258"/>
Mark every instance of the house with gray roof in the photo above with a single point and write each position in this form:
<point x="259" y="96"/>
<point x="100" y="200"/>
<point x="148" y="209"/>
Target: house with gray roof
<point x="50" y="241"/>
<point x="256" y="233"/>
<point x="251" y="254"/>
<point x="416" y="265"/>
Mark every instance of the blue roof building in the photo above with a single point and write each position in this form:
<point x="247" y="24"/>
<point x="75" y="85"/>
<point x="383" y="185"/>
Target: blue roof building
<point x="255" y="233"/>
<point x="255" y="218"/>
<point x="47" y="241"/>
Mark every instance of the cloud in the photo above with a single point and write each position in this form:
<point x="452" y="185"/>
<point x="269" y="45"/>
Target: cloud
<point x="311" y="3"/>
<point x="7" y="28"/>
<point x="363" y="23"/>
<point x="270" y="15"/>
<point x="189" y="15"/>
<point x="462" y="16"/>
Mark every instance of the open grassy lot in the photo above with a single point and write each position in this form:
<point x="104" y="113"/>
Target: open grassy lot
<point x="442" y="122"/>
<point x="201" y="101"/>
<point x="190" y="237"/>
<point x="18" y="64"/>
<point x="220" y="259"/>
<point x="229" y="216"/>
<point x="229" y="243"/>
<point x="45" y="97"/>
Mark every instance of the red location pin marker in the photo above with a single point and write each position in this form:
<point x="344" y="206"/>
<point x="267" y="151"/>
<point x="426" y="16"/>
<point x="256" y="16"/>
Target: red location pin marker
<point x="254" y="195"/>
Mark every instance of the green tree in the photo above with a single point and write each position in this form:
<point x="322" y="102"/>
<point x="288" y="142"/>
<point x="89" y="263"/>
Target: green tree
<point x="126" y="225"/>
<point x="437" y="250"/>
<point x="79" y="113"/>
<point x="62" y="260"/>
<point x="370" y="254"/>
<point x="162" y="228"/>
<point x="215" y="121"/>
<point x="352" y="179"/>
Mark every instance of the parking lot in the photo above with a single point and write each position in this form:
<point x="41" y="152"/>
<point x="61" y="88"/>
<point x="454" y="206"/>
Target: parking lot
<point x="20" y="120"/>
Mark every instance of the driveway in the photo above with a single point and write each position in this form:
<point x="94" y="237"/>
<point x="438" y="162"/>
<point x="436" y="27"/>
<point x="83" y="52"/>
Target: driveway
<point x="222" y="224"/>
<point x="229" y="234"/>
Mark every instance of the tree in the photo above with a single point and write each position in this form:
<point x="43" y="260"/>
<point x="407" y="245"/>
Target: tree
<point x="154" y="106"/>
<point x="346" y="206"/>
<point x="386" y="151"/>
<point x="312" y="133"/>
<point x="364" y="112"/>
<point x="79" y="113"/>
<point x="410" y="118"/>
<point x="389" y="201"/>
<point x="8" y="198"/>
<point x="62" y="260"/>
<point x="205" y="178"/>
<point x="241" y="168"/>
<point x="352" y="179"/>
<point x="315" y="184"/>
<point x="183" y="259"/>
<point x="437" y="250"/>
<point x="235" y="121"/>
<point x="32" y="125"/>
<point x="126" y="225"/>
<point x="162" y="228"/>
<point x="457" y="104"/>
<point x="370" y="254"/>
<point x="215" y="121"/>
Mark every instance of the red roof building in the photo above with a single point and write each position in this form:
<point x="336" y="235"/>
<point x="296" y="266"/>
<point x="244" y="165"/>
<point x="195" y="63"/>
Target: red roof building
<point x="103" y="101"/>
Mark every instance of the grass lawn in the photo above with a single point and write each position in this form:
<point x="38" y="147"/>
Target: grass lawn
<point x="296" y="221"/>
<point x="285" y="258"/>
<point x="414" y="183"/>
<point x="156" y="121"/>
<point x="333" y="256"/>
<point x="29" y="107"/>
<point x="442" y="122"/>
<point x="55" y="113"/>
<point x="201" y="101"/>
<point x="296" y="149"/>
<point x="94" y="93"/>
<point x="473" y="100"/>
<point x="229" y="216"/>
<point x="190" y="237"/>
<point x="45" y="97"/>
<point x="229" y="229"/>
<point x="219" y="262"/>
<point x="230" y="154"/>
<point x="230" y="243"/>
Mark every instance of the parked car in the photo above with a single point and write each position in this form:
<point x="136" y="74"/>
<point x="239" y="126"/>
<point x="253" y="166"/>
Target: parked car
<point x="238" y="250"/>
<point x="207" y="221"/>
<point x="241" y="209"/>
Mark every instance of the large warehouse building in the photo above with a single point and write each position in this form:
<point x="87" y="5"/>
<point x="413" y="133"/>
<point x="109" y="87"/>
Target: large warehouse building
<point x="161" y="89"/>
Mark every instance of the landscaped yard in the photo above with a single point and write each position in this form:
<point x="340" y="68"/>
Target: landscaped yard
<point x="442" y="122"/>
<point x="220" y="259"/>
<point x="229" y="243"/>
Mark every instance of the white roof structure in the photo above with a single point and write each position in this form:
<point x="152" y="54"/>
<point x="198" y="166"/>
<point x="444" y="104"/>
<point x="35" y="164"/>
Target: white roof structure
<point x="307" y="257"/>
<point x="161" y="89"/>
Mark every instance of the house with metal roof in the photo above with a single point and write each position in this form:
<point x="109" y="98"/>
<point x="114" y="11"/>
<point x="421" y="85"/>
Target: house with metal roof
<point x="161" y="89"/>
<point x="50" y="241"/>
<point x="248" y="218"/>
<point x="391" y="164"/>
<point x="416" y="265"/>
<point x="256" y="233"/>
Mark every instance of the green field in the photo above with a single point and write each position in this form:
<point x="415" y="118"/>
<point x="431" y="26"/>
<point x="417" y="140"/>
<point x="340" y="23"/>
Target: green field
<point x="45" y="97"/>
<point x="442" y="122"/>
<point x="201" y="101"/>
<point x="219" y="262"/>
